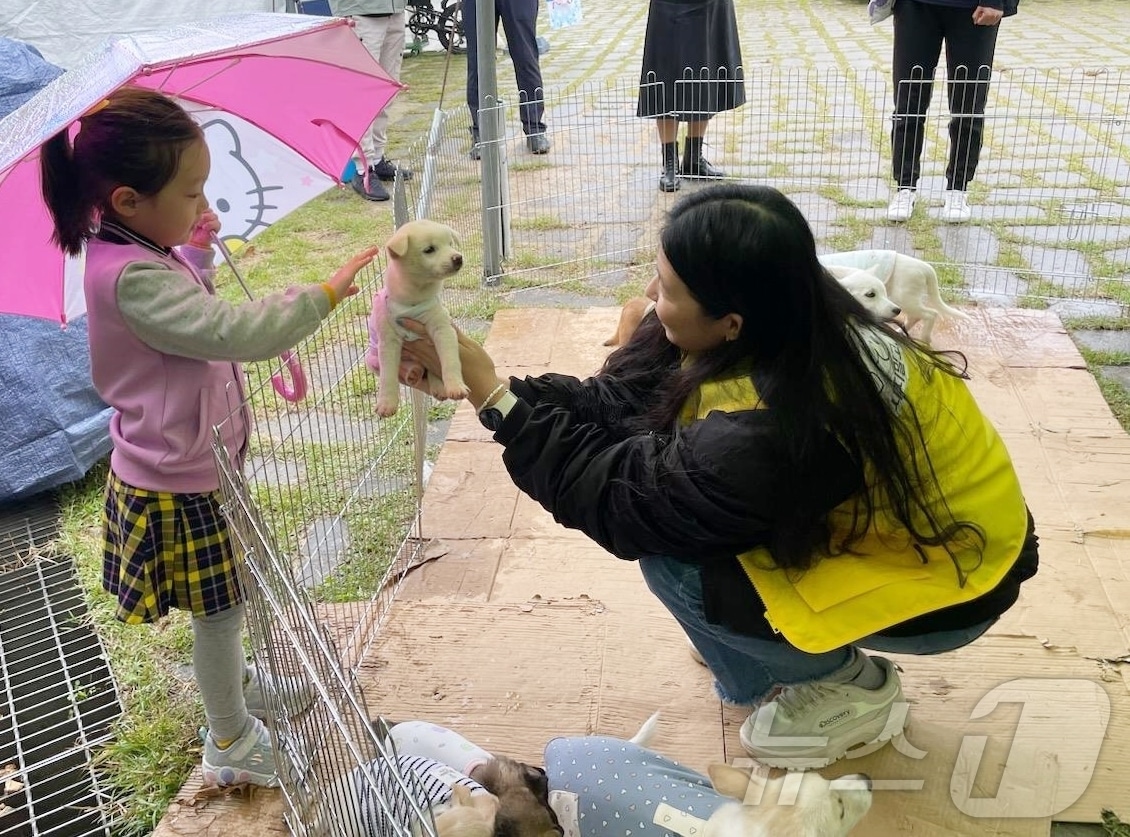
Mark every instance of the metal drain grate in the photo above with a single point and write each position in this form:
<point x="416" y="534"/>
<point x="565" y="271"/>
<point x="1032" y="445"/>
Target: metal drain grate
<point x="27" y="527"/>
<point x="57" y="704"/>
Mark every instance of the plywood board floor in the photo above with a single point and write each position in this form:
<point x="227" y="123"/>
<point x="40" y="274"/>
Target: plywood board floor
<point x="523" y="631"/>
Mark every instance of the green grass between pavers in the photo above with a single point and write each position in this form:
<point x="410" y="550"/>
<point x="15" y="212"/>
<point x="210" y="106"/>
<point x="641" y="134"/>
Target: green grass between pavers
<point x="1113" y="826"/>
<point x="1116" y="395"/>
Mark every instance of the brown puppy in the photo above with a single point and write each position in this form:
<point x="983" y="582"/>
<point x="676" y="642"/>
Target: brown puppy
<point x="631" y="315"/>
<point x="523" y="798"/>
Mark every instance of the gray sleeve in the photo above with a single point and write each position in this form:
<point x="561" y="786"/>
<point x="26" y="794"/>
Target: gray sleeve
<point x="173" y="314"/>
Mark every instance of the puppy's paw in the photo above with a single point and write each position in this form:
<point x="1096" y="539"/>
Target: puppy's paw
<point x="456" y="390"/>
<point x="387" y="407"/>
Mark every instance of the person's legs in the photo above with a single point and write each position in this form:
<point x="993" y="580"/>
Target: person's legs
<point x="668" y="130"/>
<point x="217" y="660"/>
<point x="470" y="28"/>
<point x="373" y="32"/>
<point x="237" y="747"/>
<point x="918" y="44"/>
<point x="520" y="22"/>
<point x="745" y="668"/>
<point x="694" y="164"/>
<point x="969" y="65"/>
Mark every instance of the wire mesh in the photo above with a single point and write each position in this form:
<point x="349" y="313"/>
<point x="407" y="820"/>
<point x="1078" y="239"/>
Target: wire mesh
<point x="57" y="704"/>
<point x="1050" y="198"/>
<point x="324" y="507"/>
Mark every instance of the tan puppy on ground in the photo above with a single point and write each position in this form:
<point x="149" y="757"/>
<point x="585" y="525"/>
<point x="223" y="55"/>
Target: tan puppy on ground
<point x="466" y="815"/>
<point x="631" y="315"/>
<point x="421" y="255"/>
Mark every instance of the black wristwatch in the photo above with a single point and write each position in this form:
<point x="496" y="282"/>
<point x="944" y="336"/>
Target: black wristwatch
<point x="492" y="417"/>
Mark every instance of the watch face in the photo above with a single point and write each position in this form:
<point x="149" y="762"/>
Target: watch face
<point x="491" y="419"/>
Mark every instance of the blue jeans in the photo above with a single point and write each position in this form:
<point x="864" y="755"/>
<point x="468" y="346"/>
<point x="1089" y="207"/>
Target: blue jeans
<point x="746" y="668"/>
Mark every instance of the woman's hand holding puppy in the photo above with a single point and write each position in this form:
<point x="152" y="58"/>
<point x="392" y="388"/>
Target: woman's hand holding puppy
<point x="478" y="367"/>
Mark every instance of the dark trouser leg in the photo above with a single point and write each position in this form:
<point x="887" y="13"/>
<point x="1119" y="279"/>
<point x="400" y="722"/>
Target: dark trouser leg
<point x="918" y="43"/>
<point x="969" y="62"/>
<point x="520" y="22"/>
<point x="470" y="16"/>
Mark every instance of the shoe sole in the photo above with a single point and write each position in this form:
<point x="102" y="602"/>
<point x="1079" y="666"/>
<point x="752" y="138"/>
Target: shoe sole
<point x="799" y="760"/>
<point x="227" y="776"/>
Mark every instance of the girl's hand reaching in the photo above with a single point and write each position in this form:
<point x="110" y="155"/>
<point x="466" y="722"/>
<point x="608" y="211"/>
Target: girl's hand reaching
<point x="342" y="281"/>
<point x="206" y="225"/>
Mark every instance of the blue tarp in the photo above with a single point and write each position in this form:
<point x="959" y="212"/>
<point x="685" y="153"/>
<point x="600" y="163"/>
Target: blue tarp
<point x="53" y="426"/>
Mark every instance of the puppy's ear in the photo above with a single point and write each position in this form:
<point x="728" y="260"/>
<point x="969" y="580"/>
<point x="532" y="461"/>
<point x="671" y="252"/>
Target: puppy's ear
<point x="461" y="794"/>
<point x="737" y="783"/>
<point x="536" y="781"/>
<point x="397" y="246"/>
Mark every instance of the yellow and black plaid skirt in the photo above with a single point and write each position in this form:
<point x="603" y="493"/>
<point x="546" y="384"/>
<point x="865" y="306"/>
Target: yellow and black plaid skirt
<point x="163" y="550"/>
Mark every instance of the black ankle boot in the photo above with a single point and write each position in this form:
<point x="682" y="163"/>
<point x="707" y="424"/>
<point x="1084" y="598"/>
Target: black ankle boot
<point x="694" y="164"/>
<point x="669" y="179"/>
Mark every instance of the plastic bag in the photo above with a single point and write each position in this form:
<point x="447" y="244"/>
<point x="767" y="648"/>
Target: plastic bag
<point x="563" y="13"/>
<point x="880" y="10"/>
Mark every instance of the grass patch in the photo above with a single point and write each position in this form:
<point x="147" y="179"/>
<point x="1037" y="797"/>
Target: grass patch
<point x="1113" y="826"/>
<point x="1116" y="396"/>
<point x="154" y="746"/>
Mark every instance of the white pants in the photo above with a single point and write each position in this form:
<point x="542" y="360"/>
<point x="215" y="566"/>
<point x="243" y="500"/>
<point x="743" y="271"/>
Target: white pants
<point x="384" y="38"/>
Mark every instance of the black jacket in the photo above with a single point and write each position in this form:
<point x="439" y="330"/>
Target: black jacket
<point x="704" y="494"/>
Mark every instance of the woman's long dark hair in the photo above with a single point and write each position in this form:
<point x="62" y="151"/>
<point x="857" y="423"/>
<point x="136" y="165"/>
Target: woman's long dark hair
<point x="748" y="250"/>
<point x="134" y="138"/>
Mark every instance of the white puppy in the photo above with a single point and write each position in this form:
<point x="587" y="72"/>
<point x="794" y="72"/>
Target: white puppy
<point x="421" y="255"/>
<point x="626" y="783"/>
<point x="871" y="293"/>
<point x="911" y="284"/>
<point x="798" y="804"/>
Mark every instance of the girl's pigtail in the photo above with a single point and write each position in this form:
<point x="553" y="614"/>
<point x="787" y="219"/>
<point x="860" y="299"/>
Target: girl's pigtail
<point x="64" y="194"/>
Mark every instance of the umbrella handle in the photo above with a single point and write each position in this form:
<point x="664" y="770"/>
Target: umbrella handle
<point x="295" y="389"/>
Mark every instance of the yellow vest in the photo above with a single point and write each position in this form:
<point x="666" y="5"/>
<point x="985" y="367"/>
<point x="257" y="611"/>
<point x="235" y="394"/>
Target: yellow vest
<point x="889" y="579"/>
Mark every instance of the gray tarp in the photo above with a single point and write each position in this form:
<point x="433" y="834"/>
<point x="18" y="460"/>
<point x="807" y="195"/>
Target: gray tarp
<point x="53" y="426"/>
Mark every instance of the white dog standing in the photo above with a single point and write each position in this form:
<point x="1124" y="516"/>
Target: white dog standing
<point x="421" y="255"/>
<point x="910" y="284"/>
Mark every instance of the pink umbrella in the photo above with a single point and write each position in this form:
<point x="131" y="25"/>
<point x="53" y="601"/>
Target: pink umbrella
<point x="283" y="100"/>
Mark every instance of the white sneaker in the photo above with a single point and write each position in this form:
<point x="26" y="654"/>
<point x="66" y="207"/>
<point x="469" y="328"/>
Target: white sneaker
<point x="814" y="724"/>
<point x="901" y="205"/>
<point x="956" y="210"/>
<point x="294" y="693"/>
<point x="247" y="760"/>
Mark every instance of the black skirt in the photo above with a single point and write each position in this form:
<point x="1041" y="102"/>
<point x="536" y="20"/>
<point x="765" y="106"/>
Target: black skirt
<point x="692" y="60"/>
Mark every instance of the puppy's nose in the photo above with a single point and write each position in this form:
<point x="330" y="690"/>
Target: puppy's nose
<point x="897" y="311"/>
<point x="866" y="780"/>
<point x="457" y="260"/>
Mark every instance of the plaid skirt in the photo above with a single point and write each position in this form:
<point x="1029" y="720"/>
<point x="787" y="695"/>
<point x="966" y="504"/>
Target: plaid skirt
<point x="163" y="550"/>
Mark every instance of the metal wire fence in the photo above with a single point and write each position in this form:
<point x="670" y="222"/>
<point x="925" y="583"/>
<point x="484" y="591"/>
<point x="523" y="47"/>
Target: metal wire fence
<point x="326" y="506"/>
<point x="1050" y="200"/>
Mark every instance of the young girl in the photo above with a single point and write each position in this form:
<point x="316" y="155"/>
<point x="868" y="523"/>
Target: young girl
<point x="165" y="354"/>
<point x="798" y="480"/>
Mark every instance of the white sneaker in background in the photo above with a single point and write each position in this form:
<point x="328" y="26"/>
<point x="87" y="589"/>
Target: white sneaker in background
<point x="956" y="210"/>
<point x="901" y="205"/>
